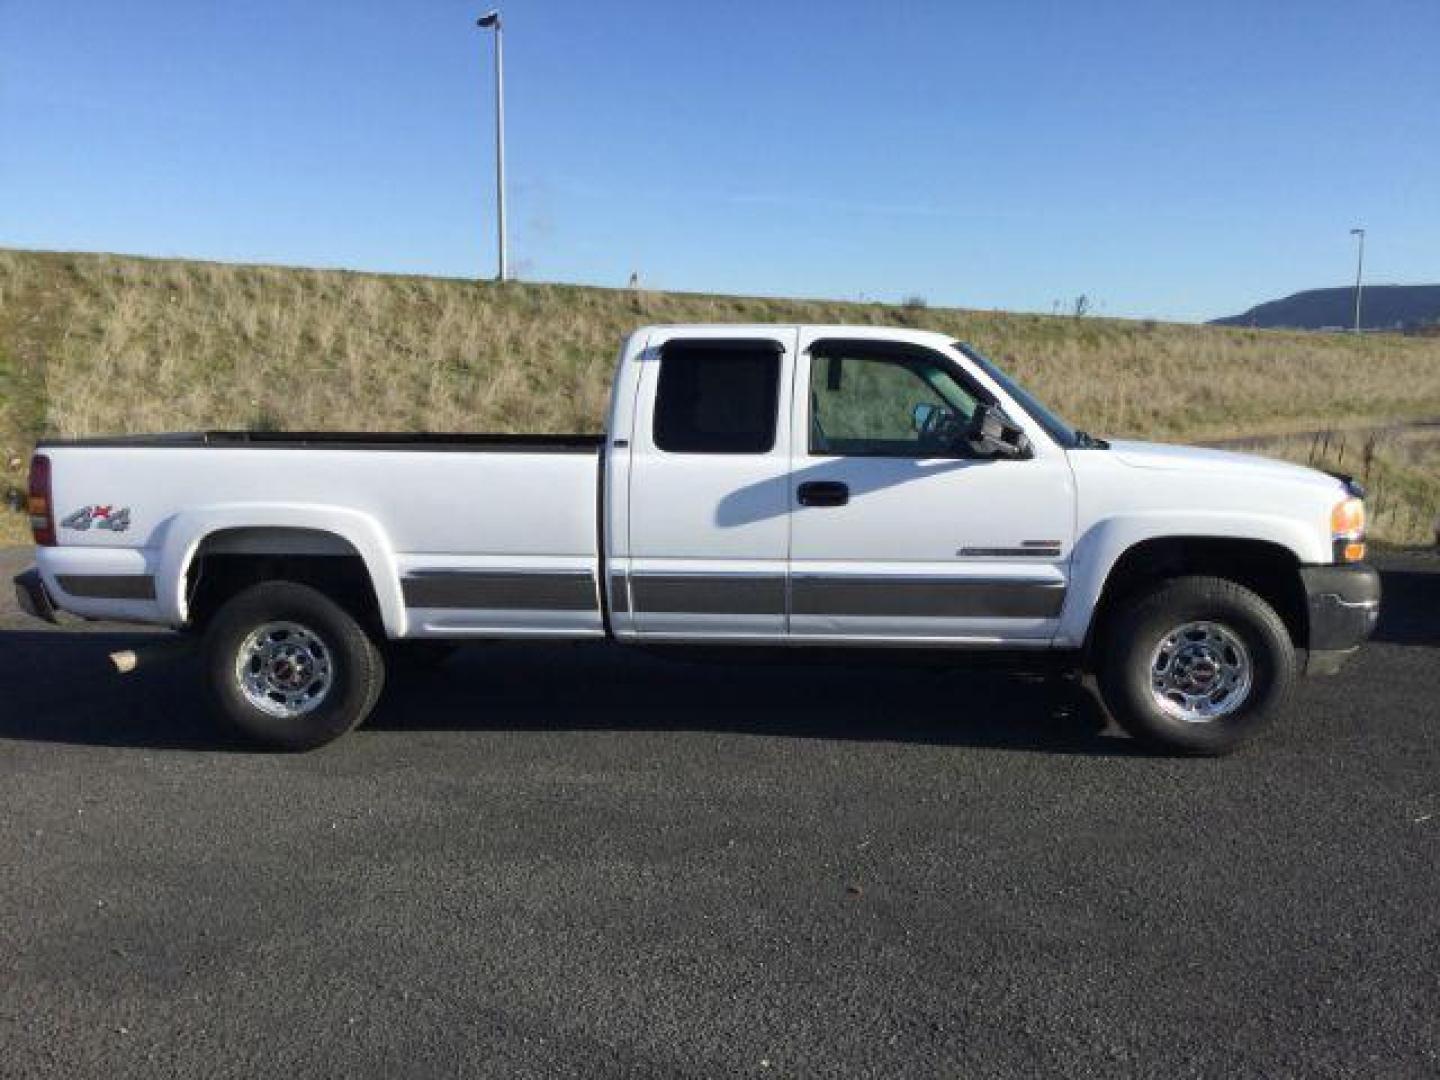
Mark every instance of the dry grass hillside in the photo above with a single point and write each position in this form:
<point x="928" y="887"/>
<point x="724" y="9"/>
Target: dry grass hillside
<point x="101" y="343"/>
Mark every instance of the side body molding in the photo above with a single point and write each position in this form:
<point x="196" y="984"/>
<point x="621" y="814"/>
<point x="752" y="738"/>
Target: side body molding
<point x="185" y="532"/>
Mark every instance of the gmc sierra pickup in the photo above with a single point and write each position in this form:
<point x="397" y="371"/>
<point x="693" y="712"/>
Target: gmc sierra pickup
<point x="757" y="487"/>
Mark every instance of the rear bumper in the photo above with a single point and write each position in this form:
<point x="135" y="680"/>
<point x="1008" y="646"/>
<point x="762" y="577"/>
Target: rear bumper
<point x="32" y="596"/>
<point x="1344" y="606"/>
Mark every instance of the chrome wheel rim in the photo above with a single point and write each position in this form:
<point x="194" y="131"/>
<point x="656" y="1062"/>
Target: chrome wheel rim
<point x="1200" y="671"/>
<point x="284" y="669"/>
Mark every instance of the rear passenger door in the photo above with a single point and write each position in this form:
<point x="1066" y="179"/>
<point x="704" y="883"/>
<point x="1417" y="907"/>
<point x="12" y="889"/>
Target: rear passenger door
<point x="709" y="522"/>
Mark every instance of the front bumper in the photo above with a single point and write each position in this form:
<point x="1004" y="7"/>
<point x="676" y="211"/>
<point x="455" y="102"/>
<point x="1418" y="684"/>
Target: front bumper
<point x="32" y="596"/>
<point x="1344" y="606"/>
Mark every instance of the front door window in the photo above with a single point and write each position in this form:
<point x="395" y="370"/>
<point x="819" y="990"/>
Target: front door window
<point x="885" y="405"/>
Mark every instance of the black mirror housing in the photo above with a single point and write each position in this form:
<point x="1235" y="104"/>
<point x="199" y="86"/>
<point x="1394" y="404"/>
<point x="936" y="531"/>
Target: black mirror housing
<point x="993" y="434"/>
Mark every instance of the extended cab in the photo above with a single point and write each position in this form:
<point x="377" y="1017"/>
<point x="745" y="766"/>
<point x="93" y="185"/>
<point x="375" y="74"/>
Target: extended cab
<point x="757" y="486"/>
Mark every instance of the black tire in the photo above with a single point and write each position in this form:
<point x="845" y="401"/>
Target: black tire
<point x="1129" y="683"/>
<point x="354" y="671"/>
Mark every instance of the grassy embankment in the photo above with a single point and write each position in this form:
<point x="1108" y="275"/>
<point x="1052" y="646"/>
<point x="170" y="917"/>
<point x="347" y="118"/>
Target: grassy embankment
<point x="98" y="343"/>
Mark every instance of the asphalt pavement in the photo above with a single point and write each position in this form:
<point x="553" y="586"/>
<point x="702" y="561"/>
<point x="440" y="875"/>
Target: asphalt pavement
<point x="585" y="861"/>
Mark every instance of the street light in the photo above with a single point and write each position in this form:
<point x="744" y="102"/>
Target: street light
<point x="491" y="21"/>
<point x="1359" y="270"/>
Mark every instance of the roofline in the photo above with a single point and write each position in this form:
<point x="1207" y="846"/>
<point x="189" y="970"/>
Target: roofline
<point x="848" y="330"/>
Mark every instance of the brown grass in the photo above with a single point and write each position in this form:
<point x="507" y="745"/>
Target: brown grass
<point x="101" y="343"/>
<point x="1400" y="470"/>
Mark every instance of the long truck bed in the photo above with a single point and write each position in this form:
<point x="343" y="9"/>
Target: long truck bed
<point x="452" y="528"/>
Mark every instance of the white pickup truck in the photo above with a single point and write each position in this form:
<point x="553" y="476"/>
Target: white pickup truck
<point x="757" y="487"/>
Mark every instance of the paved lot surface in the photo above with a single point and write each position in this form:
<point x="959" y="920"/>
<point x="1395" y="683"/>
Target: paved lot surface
<point x="573" y="861"/>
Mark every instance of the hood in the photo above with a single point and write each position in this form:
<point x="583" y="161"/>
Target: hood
<point x="1144" y="455"/>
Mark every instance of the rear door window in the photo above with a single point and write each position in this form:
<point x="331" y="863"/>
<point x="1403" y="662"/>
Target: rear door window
<point x="717" y="397"/>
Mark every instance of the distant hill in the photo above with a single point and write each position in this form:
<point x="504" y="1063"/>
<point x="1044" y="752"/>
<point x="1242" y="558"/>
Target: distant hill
<point x="1384" y="307"/>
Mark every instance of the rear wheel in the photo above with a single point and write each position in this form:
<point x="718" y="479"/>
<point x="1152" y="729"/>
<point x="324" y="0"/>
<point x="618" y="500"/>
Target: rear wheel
<point x="289" y="667"/>
<point x="1196" y="665"/>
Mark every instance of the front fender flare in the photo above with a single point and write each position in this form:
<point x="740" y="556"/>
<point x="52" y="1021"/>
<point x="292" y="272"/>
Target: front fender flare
<point x="1100" y="548"/>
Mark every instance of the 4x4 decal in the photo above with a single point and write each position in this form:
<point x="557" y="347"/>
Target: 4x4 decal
<point x="99" y="517"/>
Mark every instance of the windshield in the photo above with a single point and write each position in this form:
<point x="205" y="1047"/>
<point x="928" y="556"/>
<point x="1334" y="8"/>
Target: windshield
<point x="1055" y="427"/>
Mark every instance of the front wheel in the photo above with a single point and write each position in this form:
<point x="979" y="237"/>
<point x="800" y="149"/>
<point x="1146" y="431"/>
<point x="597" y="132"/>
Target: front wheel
<point x="1196" y="665"/>
<point x="289" y="667"/>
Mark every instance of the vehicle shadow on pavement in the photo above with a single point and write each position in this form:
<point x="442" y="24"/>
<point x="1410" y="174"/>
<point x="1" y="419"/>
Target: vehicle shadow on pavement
<point x="61" y="688"/>
<point x="1409" y="607"/>
<point x="595" y="688"/>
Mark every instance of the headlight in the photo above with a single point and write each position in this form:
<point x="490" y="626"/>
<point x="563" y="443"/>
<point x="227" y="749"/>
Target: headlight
<point x="1347" y="530"/>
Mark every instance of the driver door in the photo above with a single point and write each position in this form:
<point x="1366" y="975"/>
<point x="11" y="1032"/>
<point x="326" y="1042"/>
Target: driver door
<point x="896" y="535"/>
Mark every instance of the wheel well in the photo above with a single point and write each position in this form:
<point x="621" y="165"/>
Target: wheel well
<point x="231" y="560"/>
<point x="1270" y="571"/>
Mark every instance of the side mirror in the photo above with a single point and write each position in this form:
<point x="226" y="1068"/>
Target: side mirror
<point x="993" y="434"/>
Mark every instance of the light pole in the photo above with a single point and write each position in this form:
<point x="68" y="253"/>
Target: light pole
<point x="1359" y="271"/>
<point x="491" y="21"/>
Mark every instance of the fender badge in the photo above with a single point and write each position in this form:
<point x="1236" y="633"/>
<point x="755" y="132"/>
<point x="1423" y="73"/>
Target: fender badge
<point x="100" y="517"/>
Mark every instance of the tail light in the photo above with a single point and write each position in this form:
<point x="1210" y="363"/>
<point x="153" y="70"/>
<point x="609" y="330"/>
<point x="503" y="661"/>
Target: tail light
<point x="39" y="504"/>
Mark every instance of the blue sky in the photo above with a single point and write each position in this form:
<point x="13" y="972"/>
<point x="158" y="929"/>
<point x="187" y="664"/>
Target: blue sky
<point x="1170" y="159"/>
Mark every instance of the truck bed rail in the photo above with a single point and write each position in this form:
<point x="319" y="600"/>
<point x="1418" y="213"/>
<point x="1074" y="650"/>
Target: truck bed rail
<point x="348" y="440"/>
